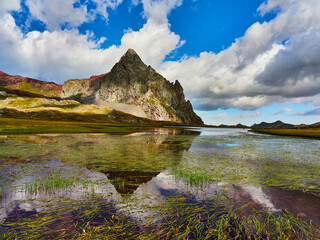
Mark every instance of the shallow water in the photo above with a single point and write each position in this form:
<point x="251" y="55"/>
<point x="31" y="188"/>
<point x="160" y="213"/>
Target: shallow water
<point x="141" y="173"/>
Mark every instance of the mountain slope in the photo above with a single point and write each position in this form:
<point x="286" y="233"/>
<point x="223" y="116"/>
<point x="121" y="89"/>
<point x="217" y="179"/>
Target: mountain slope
<point x="23" y="86"/>
<point x="135" y="88"/>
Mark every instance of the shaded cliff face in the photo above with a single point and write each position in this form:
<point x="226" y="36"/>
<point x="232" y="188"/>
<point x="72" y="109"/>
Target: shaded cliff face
<point x="135" y="88"/>
<point x="29" y="85"/>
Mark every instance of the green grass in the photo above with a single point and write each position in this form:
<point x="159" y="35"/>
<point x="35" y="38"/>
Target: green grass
<point x="31" y="126"/>
<point x="119" y="182"/>
<point x="73" y="220"/>
<point x="213" y="219"/>
<point x="183" y="218"/>
<point x="49" y="184"/>
<point x="24" y="86"/>
<point x="192" y="177"/>
<point x="308" y="132"/>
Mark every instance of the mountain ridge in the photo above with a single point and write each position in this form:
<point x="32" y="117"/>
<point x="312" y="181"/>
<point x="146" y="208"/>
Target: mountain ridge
<point x="276" y="124"/>
<point x="25" y="84"/>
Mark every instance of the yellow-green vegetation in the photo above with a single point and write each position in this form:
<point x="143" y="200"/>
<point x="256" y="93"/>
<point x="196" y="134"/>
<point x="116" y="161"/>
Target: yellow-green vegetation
<point x="49" y="184"/>
<point x="189" y="164"/>
<point x="43" y="104"/>
<point x="192" y="177"/>
<point x="294" y="132"/>
<point x="184" y="218"/>
<point x="67" y="111"/>
<point x="24" y="86"/>
<point x="31" y="126"/>
<point x="73" y="220"/>
<point x="187" y="218"/>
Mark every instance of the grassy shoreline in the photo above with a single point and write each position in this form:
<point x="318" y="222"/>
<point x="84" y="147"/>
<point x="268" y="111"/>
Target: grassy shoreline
<point x="33" y="126"/>
<point x="291" y="132"/>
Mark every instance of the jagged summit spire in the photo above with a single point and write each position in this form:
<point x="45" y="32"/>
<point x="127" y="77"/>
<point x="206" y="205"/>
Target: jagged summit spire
<point x="131" y="57"/>
<point x="131" y="52"/>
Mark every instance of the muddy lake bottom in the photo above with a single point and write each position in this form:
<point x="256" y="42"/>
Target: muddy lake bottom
<point x="167" y="183"/>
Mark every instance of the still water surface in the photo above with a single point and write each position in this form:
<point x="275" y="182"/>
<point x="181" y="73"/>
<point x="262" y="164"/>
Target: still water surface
<point x="141" y="173"/>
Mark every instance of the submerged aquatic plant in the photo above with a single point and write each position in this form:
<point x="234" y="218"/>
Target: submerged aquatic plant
<point x="184" y="217"/>
<point x="119" y="183"/>
<point x="92" y="219"/>
<point x="49" y="184"/>
<point x="213" y="219"/>
<point x="193" y="178"/>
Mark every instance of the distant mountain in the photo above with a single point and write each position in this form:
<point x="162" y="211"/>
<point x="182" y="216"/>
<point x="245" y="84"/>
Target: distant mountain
<point x="231" y="126"/>
<point x="135" y="88"/>
<point x="241" y="126"/>
<point x="277" y="124"/>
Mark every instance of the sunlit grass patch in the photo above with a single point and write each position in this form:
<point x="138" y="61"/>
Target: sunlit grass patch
<point x="30" y="126"/>
<point x="41" y="104"/>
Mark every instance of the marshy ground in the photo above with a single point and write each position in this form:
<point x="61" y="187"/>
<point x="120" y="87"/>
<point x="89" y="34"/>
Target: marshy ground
<point x="168" y="183"/>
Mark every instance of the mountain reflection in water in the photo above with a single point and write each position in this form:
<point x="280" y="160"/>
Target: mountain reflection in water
<point x="139" y="172"/>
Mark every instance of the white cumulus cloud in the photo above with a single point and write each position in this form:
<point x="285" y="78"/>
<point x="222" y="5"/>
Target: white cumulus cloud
<point x="275" y="61"/>
<point x="158" y="10"/>
<point x="70" y="13"/>
<point x="57" y="55"/>
<point x="153" y="42"/>
<point x="9" y="5"/>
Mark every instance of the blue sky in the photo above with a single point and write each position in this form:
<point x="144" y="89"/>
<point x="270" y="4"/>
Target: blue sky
<point x="238" y="61"/>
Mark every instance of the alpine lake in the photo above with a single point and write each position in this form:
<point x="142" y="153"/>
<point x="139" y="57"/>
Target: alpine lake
<point x="165" y="183"/>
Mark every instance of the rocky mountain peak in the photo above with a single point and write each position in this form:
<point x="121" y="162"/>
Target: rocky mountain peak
<point x="131" y="57"/>
<point x="135" y="88"/>
<point x="130" y="51"/>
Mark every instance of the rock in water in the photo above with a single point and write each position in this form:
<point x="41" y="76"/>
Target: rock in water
<point x="135" y="88"/>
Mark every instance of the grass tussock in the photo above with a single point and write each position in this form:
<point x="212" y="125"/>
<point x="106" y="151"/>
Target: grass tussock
<point x="192" y="178"/>
<point x="49" y="184"/>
